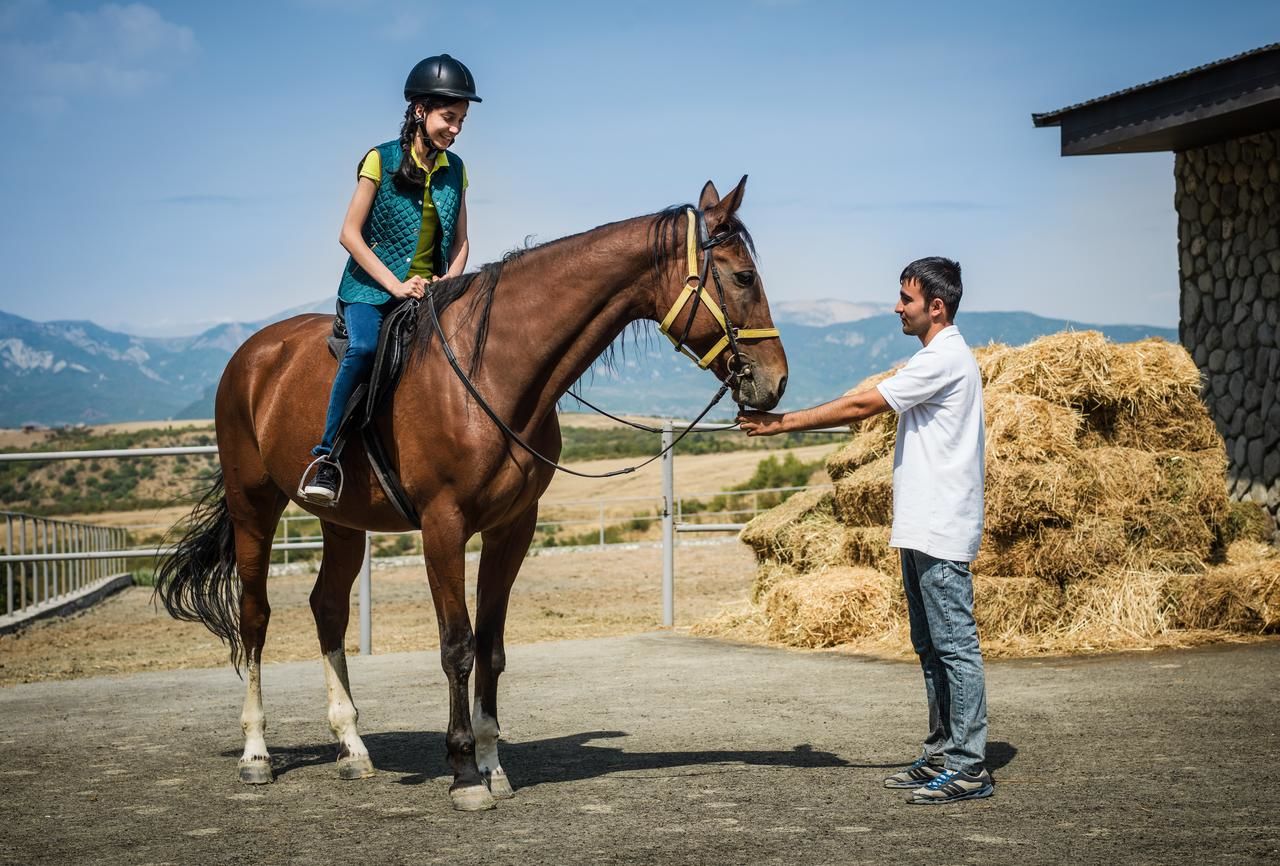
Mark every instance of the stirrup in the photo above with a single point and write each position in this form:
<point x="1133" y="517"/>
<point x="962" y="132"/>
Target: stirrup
<point x="308" y="472"/>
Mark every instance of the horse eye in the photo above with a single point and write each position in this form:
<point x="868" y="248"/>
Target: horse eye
<point x="745" y="278"/>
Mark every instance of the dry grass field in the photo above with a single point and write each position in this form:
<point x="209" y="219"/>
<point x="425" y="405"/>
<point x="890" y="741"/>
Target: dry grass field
<point x="558" y="596"/>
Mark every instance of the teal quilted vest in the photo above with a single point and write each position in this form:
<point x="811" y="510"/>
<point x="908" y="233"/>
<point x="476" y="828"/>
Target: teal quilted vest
<point x="395" y="221"/>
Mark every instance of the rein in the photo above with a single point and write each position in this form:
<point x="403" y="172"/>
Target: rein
<point x="694" y="287"/>
<point x="515" y="437"/>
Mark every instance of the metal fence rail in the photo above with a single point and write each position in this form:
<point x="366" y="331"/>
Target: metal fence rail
<point x="39" y="566"/>
<point x="49" y="559"/>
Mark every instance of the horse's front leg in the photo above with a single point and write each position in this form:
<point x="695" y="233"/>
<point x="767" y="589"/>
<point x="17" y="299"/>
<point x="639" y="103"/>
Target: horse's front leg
<point x="444" y="541"/>
<point x="504" y="551"/>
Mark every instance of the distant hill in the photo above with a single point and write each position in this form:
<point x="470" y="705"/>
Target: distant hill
<point x="73" y="371"/>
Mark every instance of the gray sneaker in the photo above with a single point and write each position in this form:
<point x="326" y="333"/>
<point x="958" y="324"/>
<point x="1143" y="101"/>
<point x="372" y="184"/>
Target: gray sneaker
<point x="950" y="786"/>
<point x="921" y="772"/>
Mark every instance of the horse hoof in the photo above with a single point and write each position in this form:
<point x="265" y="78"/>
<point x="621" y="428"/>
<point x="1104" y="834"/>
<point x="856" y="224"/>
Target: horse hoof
<point x="499" y="785"/>
<point x="256" y="773"/>
<point x="473" y="798"/>
<point x="355" y="768"/>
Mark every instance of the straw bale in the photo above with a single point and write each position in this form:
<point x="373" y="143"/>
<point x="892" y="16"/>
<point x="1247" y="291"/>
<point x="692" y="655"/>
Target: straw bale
<point x="1090" y="547"/>
<point x="768" y="573"/>
<point x="1242" y="595"/>
<point x="1153" y="372"/>
<point x="1006" y="606"/>
<point x="833" y="607"/>
<point x="1025" y="427"/>
<point x="1119" y="608"/>
<point x="1021" y="496"/>
<point x="769" y="533"/>
<point x="1239" y="598"/>
<point x="865" y="497"/>
<point x="1248" y="521"/>
<point x="1073" y="368"/>
<point x="1181" y="424"/>
<point x="868" y="546"/>
<point x="869" y="444"/>
<point x="810" y="540"/>
<point x="993" y="358"/>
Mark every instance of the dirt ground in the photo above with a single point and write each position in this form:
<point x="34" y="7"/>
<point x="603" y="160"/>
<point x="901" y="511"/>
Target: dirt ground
<point x="654" y="749"/>
<point x="557" y="596"/>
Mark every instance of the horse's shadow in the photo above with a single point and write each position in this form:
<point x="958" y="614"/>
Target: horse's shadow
<point x="420" y="756"/>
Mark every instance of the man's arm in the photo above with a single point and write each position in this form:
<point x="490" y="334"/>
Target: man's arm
<point x="840" y="411"/>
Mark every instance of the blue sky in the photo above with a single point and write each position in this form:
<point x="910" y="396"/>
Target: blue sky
<point x="171" y="163"/>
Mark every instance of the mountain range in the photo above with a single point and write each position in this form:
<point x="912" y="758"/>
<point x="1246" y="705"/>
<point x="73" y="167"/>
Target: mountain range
<point x="68" y="372"/>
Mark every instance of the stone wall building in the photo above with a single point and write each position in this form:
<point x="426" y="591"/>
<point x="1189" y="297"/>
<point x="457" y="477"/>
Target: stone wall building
<point x="1222" y="122"/>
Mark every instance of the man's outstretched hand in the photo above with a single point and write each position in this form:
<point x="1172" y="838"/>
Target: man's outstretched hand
<point x="760" y="423"/>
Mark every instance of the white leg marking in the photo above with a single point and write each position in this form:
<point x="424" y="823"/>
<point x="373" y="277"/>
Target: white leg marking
<point x="343" y="714"/>
<point x="485" y="729"/>
<point x="253" y="721"/>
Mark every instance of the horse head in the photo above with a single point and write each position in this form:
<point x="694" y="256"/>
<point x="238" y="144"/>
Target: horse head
<point x="721" y="313"/>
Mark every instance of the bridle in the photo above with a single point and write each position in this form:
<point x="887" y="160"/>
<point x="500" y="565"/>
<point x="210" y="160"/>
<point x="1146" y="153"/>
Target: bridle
<point x="695" y="287"/>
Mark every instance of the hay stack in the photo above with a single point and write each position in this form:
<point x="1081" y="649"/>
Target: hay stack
<point x="1107" y="517"/>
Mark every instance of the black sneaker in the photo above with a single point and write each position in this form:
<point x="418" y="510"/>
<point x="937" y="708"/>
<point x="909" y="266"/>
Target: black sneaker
<point x="950" y="786"/>
<point x="921" y="772"/>
<point x="323" y="489"/>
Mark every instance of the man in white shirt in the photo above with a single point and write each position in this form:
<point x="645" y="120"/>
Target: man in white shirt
<point x="937" y="521"/>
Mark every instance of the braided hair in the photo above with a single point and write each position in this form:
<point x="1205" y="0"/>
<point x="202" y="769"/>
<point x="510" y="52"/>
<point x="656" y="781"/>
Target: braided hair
<point x="410" y="174"/>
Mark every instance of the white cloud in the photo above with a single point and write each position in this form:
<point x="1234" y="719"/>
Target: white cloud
<point x="51" y="59"/>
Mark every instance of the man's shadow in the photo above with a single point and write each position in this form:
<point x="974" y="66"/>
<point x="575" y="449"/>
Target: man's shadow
<point x="420" y="756"/>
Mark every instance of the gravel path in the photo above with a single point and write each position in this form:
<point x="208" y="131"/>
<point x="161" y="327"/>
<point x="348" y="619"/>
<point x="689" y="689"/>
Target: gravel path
<point x="656" y="748"/>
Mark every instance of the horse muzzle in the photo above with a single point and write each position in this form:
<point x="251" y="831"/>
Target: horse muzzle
<point x="756" y="386"/>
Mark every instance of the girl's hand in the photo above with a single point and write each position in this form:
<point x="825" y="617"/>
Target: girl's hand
<point x="414" y="287"/>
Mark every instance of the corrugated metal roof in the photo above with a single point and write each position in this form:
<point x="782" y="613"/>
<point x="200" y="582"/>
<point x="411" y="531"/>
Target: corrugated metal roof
<point x="1049" y="118"/>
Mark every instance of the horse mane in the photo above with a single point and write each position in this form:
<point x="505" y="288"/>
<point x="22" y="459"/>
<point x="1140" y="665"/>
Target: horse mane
<point x="666" y="240"/>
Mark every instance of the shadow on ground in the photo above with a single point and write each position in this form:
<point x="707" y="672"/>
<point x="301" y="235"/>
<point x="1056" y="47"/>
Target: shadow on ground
<point x="420" y="756"/>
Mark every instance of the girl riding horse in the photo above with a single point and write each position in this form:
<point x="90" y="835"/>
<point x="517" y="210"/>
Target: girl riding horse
<point x="406" y="226"/>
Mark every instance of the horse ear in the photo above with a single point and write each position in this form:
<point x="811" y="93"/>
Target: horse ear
<point x="709" y="197"/>
<point x="724" y="208"/>
<point x="733" y="200"/>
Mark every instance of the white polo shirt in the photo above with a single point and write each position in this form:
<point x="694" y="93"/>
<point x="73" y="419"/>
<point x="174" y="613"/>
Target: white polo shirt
<point x="938" y="461"/>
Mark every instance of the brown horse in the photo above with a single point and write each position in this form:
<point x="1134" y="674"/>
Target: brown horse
<point x="546" y="314"/>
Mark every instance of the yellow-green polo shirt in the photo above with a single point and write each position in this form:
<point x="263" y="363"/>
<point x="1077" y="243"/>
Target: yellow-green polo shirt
<point x="422" y="265"/>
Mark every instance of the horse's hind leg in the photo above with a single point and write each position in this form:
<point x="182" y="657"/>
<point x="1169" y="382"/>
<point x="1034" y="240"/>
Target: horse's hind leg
<point x="254" y="514"/>
<point x="504" y="551"/>
<point x="331" y="606"/>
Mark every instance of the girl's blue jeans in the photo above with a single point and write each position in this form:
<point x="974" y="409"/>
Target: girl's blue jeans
<point x="363" y="323"/>
<point x="945" y="637"/>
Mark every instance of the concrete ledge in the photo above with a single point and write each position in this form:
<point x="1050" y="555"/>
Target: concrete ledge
<point x="63" y="605"/>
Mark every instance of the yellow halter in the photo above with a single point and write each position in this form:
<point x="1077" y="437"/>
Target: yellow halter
<point x="694" y="287"/>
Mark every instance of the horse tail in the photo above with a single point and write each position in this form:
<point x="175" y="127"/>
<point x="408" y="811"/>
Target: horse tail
<point x="197" y="581"/>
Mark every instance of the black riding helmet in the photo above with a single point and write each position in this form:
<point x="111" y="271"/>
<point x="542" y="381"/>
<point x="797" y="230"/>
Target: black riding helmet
<point x="441" y="75"/>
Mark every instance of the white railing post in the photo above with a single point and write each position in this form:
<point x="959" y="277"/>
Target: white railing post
<point x="8" y="566"/>
<point x="366" y="600"/>
<point x="668" y="527"/>
<point x="22" y="550"/>
<point x="44" y="566"/>
<point x="602" y="527"/>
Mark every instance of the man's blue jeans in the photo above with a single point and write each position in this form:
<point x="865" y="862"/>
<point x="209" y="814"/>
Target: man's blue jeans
<point x="363" y="323"/>
<point x="945" y="636"/>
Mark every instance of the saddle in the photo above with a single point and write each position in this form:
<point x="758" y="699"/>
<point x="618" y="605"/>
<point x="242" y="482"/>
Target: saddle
<point x="398" y="327"/>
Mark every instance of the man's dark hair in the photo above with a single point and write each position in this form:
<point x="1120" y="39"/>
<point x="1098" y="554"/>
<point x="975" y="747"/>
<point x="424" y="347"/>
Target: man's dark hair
<point x="939" y="278"/>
